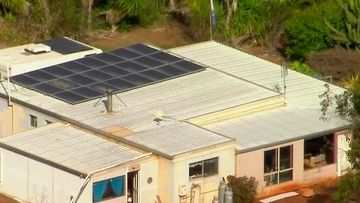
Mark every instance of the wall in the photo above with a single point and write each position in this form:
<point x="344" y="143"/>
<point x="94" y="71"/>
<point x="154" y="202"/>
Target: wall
<point x="208" y="185"/>
<point x="146" y="168"/>
<point x="21" y="121"/>
<point x="252" y="163"/>
<point x="34" y="181"/>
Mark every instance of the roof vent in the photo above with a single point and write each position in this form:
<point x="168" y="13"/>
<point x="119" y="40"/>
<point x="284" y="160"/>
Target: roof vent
<point x="109" y="106"/>
<point x="38" y="48"/>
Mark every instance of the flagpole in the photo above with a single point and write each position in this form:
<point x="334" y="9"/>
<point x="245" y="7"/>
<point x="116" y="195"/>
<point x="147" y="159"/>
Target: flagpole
<point x="212" y="19"/>
<point x="210" y="28"/>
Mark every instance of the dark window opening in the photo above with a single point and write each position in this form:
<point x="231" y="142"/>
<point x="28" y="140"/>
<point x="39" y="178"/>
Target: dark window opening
<point x="33" y="121"/>
<point x="204" y="168"/>
<point x="319" y="151"/>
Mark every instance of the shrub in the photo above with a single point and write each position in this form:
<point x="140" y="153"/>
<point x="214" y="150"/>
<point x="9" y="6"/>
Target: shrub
<point x="244" y="188"/>
<point x="307" y="31"/>
<point x="249" y="19"/>
<point x="302" y="68"/>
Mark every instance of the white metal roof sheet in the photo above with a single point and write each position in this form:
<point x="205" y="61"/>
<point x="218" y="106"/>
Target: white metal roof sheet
<point x="298" y="119"/>
<point x="216" y="88"/>
<point x="71" y="147"/>
<point x="177" y="138"/>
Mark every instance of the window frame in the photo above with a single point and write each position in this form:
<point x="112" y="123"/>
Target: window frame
<point x="202" y="162"/>
<point x="108" y="182"/>
<point x="278" y="170"/>
<point x="33" y="121"/>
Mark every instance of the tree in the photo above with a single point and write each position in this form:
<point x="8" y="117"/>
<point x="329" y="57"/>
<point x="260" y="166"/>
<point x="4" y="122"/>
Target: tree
<point x="347" y="105"/>
<point x="244" y="188"/>
<point x="350" y="37"/>
<point x="134" y="8"/>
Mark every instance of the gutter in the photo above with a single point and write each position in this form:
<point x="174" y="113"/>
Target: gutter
<point x="89" y="128"/>
<point x="87" y="178"/>
<point x="313" y="135"/>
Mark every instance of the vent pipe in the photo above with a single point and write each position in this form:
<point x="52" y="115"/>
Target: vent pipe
<point x="109" y="105"/>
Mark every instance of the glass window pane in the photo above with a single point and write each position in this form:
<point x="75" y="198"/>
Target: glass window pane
<point x="271" y="179"/>
<point x="211" y="167"/>
<point x="285" y="157"/>
<point x="270" y="161"/>
<point x="117" y="185"/>
<point x="285" y="176"/>
<point x="195" y="169"/>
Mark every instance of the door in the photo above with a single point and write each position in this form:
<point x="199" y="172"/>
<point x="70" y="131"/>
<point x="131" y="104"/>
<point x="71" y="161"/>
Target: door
<point x="343" y="146"/>
<point x="133" y="187"/>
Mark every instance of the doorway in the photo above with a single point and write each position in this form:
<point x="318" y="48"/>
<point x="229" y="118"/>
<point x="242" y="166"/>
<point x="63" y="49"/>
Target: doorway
<point x="133" y="187"/>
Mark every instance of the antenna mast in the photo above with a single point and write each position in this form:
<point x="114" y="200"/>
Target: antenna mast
<point x="284" y="73"/>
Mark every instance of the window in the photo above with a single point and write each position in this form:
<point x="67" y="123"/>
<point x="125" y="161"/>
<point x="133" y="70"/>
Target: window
<point x="278" y="165"/>
<point x="319" y="151"/>
<point x="33" y="121"/>
<point x="108" y="189"/>
<point x="204" y="168"/>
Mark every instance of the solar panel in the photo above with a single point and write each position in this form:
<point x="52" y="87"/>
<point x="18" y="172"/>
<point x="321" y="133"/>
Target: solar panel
<point x="65" y="46"/>
<point x="120" y="70"/>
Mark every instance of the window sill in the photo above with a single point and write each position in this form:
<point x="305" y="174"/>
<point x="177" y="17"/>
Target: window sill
<point x="202" y="177"/>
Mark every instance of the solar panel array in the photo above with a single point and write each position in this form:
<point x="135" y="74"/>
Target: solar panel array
<point x="118" y="70"/>
<point x="65" y="46"/>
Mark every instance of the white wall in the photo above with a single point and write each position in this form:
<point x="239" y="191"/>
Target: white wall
<point x="15" y="119"/>
<point x="252" y="163"/>
<point x="34" y="181"/>
<point x="208" y="185"/>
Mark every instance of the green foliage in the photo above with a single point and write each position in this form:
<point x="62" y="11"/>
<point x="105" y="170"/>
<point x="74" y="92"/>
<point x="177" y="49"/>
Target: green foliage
<point x="129" y="7"/>
<point x="244" y="188"/>
<point x="146" y="11"/>
<point x="348" y="188"/>
<point x="302" y="68"/>
<point x="14" y="6"/>
<point x="307" y="31"/>
<point x="199" y="19"/>
<point x="249" y="19"/>
<point x="66" y="22"/>
<point x="347" y="105"/>
<point x="350" y="36"/>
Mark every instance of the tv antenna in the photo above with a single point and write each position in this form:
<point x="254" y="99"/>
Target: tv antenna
<point x="284" y="73"/>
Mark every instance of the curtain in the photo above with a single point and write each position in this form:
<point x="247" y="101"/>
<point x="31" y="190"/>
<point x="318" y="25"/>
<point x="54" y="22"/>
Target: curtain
<point x="117" y="185"/>
<point x="99" y="190"/>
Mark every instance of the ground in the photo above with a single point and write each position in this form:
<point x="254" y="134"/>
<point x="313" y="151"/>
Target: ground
<point x="5" y="199"/>
<point x="165" y="34"/>
<point x="323" y="188"/>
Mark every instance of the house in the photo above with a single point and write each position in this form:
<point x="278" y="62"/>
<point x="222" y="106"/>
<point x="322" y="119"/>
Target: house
<point x="141" y="124"/>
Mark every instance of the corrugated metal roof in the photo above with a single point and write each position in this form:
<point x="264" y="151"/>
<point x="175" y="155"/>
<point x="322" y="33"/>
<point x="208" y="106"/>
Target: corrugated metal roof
<point x="185" y="97"/>
<point x="177" y="138"/>
<point x="216" y="88"/>
<point x="71" y="147"/>
<point x="298" y="119"/>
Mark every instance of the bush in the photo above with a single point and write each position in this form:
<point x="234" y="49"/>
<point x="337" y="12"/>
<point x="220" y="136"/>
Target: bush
<point x="307" y="31"/>
<point x="244" y="188"/>
<point x="302" y="68"/>
<point x="249" y="19"/>
<point x="198" y="22"/>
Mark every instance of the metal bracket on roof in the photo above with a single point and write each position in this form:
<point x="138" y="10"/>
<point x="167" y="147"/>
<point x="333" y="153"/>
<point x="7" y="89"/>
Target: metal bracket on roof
<point x="121" y="101"/>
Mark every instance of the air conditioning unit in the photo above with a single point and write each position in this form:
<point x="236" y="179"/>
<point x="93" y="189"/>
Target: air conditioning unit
<point x="38" y="48"/>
